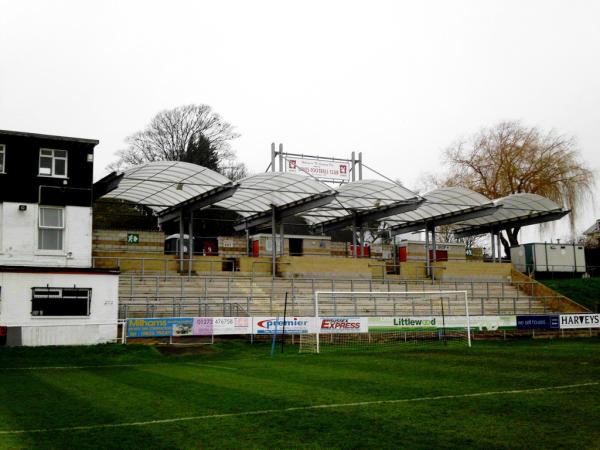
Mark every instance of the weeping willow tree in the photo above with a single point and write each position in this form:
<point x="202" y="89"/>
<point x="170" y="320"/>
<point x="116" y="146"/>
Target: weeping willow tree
<point x="510" y="158"/>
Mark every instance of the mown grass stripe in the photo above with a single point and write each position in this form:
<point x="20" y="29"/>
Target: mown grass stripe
<point x="299" y="408"/>
<point x="108" y="366"/>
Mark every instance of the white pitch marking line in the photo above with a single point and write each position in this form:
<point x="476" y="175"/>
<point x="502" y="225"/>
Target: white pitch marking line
<point x="211" y="366"/>
<point x="297" y="408"/>
<point x="108" y="366"/>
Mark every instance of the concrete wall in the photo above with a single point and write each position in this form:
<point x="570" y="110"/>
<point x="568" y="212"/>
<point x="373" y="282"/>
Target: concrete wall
<point x="312" y="245"/>
<point x="412" y="270"/>
<point x="324" y="266"/>
<point x="471" y="271"/>
<point x="249" y="264"/>
<point x="232" y="245"/>
<point x="100" y="326"/>
<point x="19" y="237"/>
<point x="116" y="241"/>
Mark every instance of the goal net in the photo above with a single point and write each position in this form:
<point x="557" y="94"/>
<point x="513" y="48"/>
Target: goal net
<point x="377" y="320"/>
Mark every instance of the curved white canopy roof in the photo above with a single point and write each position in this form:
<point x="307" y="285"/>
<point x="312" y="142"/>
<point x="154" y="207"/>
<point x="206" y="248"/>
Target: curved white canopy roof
<point x="515" y="210"/>
<point x="362" y="197"/>
<point x="163" y="184"/>
<point x="257" y="193"/>
<point x="442" y="206"/>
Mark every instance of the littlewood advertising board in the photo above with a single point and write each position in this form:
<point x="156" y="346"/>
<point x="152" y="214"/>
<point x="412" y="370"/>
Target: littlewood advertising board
<point x="571" y="321"/>
<point x="320" y="168"/>
<point x="431" y="323"/>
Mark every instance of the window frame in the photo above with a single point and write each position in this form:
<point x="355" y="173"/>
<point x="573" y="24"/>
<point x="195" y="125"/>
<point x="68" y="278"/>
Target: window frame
<point x="57" y="293"/>
<point x="3" y="158"/>
<point x="54" y="158"/>
<point x="51" y="227"/>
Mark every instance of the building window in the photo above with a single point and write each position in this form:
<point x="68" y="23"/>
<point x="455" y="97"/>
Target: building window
<point x="50" y="301"/>
<point x="51" y="228"/>
<point x="2" y="158"/>
<point x="53" y="163"/>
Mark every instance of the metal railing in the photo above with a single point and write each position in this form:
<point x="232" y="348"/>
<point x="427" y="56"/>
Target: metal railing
<point x="486" y="297"/>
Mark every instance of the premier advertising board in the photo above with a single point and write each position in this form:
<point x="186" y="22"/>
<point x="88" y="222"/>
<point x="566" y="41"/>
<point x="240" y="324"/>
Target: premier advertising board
<point x="276" y="325"/>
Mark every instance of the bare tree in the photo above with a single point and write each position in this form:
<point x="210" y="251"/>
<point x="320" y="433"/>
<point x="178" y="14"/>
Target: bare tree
<point x="191" y="133"/>
<point x="510" y="158"/>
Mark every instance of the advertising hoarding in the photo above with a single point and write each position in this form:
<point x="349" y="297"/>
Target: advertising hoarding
<point x="539" y="322"/>
<point x="275" y="325"/>
<point x="573" y="321"/>
<point x="329" y="325"/>
<point x="431" y="323"/>
<point x="320" y="168"/>
<point x="159" y="327"/>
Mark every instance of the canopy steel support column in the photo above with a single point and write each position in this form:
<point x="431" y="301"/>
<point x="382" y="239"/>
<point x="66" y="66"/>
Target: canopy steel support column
<point x="492" y="235"/>
<point x="281" y="239"/>
<point x="191" y="243"/>
<point x="499" y="246"/>
<point x="433" y="251"/>
<point x="427" y="271"/>
<point x="354" y="253"/>
<point x="433" y="245"/>
<point x="273" y="242"/>
<point x="247" y="242"/>
<point x="361" y="240"/>
<point x="181" y="240"/>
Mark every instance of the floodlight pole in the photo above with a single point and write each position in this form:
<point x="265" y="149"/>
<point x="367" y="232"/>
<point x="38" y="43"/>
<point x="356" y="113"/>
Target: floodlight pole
<point x="353" y="166"/>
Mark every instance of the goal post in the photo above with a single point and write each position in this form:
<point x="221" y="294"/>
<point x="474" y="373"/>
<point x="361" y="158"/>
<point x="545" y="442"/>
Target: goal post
<point x="355" y="319"/>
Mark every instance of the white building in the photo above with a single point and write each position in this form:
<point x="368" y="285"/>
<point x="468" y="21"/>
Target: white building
<point x="49" y="294"/>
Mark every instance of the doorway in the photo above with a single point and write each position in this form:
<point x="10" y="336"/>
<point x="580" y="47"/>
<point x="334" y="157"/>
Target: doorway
<point x="296" y="247"/>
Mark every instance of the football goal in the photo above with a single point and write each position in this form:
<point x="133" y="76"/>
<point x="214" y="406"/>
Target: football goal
<point x="376" y="320"/>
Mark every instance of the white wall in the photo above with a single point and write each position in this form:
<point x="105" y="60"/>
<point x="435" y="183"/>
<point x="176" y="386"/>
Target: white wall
<point x="100" y="326"/>
<point x="19" y="237"/>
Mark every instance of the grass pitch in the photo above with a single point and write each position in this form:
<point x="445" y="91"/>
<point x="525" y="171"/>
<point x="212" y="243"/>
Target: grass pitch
<point x="516" y="394"/>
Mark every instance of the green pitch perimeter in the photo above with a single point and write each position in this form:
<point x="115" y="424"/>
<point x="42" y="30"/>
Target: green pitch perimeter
<point x="520" y="394"/>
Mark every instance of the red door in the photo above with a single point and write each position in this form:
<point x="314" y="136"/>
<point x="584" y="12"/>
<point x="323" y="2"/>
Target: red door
<point x="255" y="248"/>
<point x="402" y="255"/>
<point x="440" y="255"/>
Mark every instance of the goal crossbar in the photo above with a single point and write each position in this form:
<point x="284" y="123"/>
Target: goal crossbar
<point x="318" y="297"/>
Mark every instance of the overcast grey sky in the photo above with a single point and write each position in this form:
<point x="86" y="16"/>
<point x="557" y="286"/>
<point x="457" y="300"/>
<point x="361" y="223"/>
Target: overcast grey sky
<point x="396" y="80"/>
